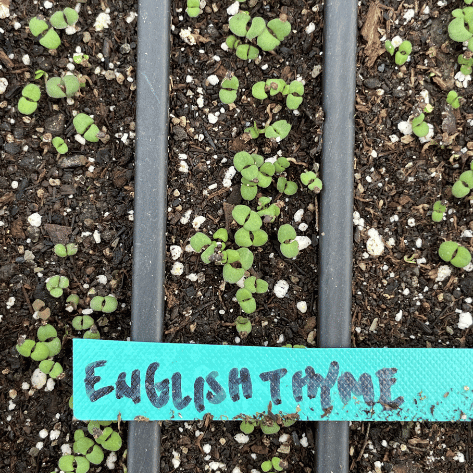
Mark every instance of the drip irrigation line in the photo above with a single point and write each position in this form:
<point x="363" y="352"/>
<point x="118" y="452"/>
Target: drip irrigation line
<point x="336" y="211"/>
<point x="149" y="239"/>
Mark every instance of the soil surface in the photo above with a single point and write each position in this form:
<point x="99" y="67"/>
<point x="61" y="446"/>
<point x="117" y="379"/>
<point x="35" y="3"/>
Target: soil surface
<point x="402" y="298"/>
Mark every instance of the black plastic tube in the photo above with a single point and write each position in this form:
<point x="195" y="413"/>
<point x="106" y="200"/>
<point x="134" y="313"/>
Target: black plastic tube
<point x="150" y="214"/>
<point x="336" y="212"/>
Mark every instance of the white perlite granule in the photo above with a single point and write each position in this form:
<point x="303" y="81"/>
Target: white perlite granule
<point x="464" y="320"/>
<point x="374" y="245"/>
<point x="281" y="288"/>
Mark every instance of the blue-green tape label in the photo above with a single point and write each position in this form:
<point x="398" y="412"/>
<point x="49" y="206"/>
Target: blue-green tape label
<point x="186" y="381"/>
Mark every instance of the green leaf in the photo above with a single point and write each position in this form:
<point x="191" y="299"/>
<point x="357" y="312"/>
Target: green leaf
<point x="266" y="41"/>
<point x="50" y="40"/>
<point x="81" y="122"/>
<point x="221" y="234"/>
<point x="389" y="47"/>
<point x="246" y="258"/>
<point x="91" y="134"/>
<point x="246" y="301"/>
<point x="281" y="164"/>
<point x="238" y="22"/>
<point x="26" y="347"/>
<point x="447" y="249"/>
<point x="275" y="86"/>
<point x="248" y="191"/>
<point x="257" y="27"/>
<point x="280" y="28"/>
<point x="232" y="275"/>
<point x="37" y="26"/>
<point x="286" y="233"/>
<point x="260" y="237"/>
<point x="60" y="146"/>
<point x="258" y="90"/>
<point x="199" y="240"/>
<point x="462" y="258"/>
<point x="457" y="30"/>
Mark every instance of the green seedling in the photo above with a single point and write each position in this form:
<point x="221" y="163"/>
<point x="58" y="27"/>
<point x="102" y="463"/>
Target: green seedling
<point x="85" y="125"/>
<point x="265" y="175"/>
<point x="242" y="51"/>
<point x="60" y="145"/>
<point x="41" y="309"/>
<point x="246" y="301"/>
<point x="228" y="92"/>
<point x="281" y="164"/>
<point x="275" y="463"/>
<point x="247" y="218"/>
<point x="49" y="39"/>
<point x="254" y="131"/>
<point x="48" y="335"/>
<point x="94" y="427"/>
<point x="419" y="126"/>
<point x="62" y="19"/>
<point x="267" y="210"/>
<point x="248" y="426"/>
<point x="52" y="368"/>
<point x="466" y="63"/>
<point x="311" y="180"/>
<point x="459" y="29"/>
<point x="244" y="238"/>
<point x="258" y="286"/>
<point x="82" y="322"/>
<point x="295" y="93"/>
<point x="463" y="186"/>
<point x="73" y="300"/>
<point x="247" y="164"/>
<point x="40" y="73"/>
<point x="257" y="27"/>
<point x="402" y="55"/>
<point x="193" y="8"/>
<point x="68" y="463"/>
<point x="455" y="254"/>
<point x="60" y="87"/>
<point x="80" y="59"/>
<point x="389" y="47"/>
<point x="453" y="99"/>
<point x="25" y="347"/>
<point x="87" y="447"/>
<point x="286" y="187"/>
<point x="28" y="102"/>
<point x="40" y="352"/>
<point x="92" y="333"/>
<point x="107" y="304"/>
<point x="65" y="250"/>
<point x="110" y="440"/>
<point x="243" y="326"/>
<point x="269" y="427"/>
<point x="237" y="262"/>
<point x="278" y="130"/>
<point x="200" y="240"/>
<point x="238" y="22"/>
<point x="286" y="236"/>
<point x="438" y="211"/>
<point x="56" y="284"/>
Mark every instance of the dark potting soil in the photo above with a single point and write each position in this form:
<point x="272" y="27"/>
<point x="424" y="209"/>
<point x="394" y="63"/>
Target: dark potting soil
<point x="396" y="181"/>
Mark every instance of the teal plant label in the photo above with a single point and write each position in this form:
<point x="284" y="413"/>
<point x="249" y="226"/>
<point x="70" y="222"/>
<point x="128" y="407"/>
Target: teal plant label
<point x="175" y="381"/>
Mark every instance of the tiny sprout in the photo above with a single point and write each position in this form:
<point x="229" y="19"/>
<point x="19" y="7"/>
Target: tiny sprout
<point x="453" y="99"/>
<point x="463" y="186"/>
<point x="275" y="86"/>
<point x="238" y="22"/>
<point x="65" y="250"/>
<point x="247" y="218"/>
<point x="51" y="367"/>
<point x="49" y="39"/>
<point x="267" y="210"/>
<point x="68" y="463"/>
<point x="105" y="304"/>
<point x="28" y="103"/>
<point x="56" y="284"/>
<point x="281" y="28"/>
<point x="228" y="92"/>
<point x="48" y="334"/>
<point x="82" y="322"/>
<point x="419" y="127"/>
<point x="268" y="465"/>
<point x="244" y="238"/>
<point x="83" y="122"/>
<point x="466" y="64"/>
<point x="248" y="426"/>
<point x="92" y="333"/>
<point x="110" y="440"/>
<point x="40" y="352"/>
<point x="255" y="285"/>
<point x="402" y="55"/>
<point x="60" y="87"/>
<point x="40" y="73"/>
<point x="25" y="347"/>
<point x="265" y="175"/>
<point x="87" y="447"/>
<point x="438" y="211"/>
<point x="60" y="145"/>
<point x="289" y="245"/>
<point x="237" y="263"/>
<point x="257" y="27"/>
<point x="248" y="189"/>
<point x="221" y="234"/>
<point x="193" y="8"/>
<point x="246" y="301"/>
<point x="296" y="91"/>
<point x="199" y="240"/>
<point x="245" y="164"/>
<point x="279" y="129"/>
<point x="281" y="164"/>
<point x="389" y="47"/>
<point x="80" y="58"/>
<point x="243" y="326"/>
<point x="73" y="299"/>
<point x="457" y="255"/>
<point x="311" y="180"/>
<point x="259" y="90"/>
<point x="286" y="187"/>
<point x="459" y="27"/>
<point x="269" y="427"/>
<point x="62" y="19"/>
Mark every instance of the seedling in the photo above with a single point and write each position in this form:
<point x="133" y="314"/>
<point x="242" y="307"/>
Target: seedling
<point x="40" y="73"/>
<point x="60" y="145"/>
<point x="85" y="125"/>
<point x="52" y="368"/>
<point x="248" y="426"/>
<point x="49" y="39"/>
<point x="68" y="250"/>
<point x="62" y="19"/>
<point x="246" y="301"/>
<point x="60" y="87"/>
<point x="82" y="322"/>
<point x="459" y="29"/>
<point x="243" y="51"/>
<point x="267" y="210"/>
<point x="281" y="164"/>
<point x="286" y="187"/>
<point x="48" y="335"/>
<point x="311" y="180"/>
<point x="247" y="218"/>
<point x="237" y="262"/>
<point x="269" y="426"/>
<point x="466" y="63"/>
<point x="41" y="309"/>
<point x="73" y="300"/>
<point x="56" y="284"/>
<point x="201" y="240"/>
<point x="38" y="351"/>
<point x="295" y="93"/>
<point x="275" y="463"/>
<point x="389" y="47"/>
<point x="455" y="254"/>
<point x="244" y="238"/>
<point x="80" y="59"/>
<point x="453" y="99"/>
<point x="87" y="447"/>
<point x="419" y="126"/>
<point x="405" y="48"/>
<point x="73" y="463"/>
<point x="243" y="326"/>
<point x="278" y="130"/>
<point x="438" y="211"/>
<point x="109" y="439"/>
<point x="228" y="92"/>
<point x="258" y="286"/>
<point x="289" y="246"/>
<point x="28" y="102"/>
<point x="107" y="304"/>
<point x="463" y="186"/>
<point x="193" y="8"/>
<point x="265" y="175"/>
<point x="247" y="164"/>
<point x="92" y="333"/>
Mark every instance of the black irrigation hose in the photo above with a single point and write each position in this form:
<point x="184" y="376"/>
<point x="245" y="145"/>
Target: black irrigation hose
<point x="149" y="239"/>
<point x="336" y="213"/>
